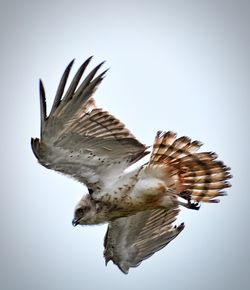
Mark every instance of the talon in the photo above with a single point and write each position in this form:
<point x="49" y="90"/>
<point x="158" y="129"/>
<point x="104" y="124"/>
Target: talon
<point x="194" y="205"/>
<point x="187" y="196"/>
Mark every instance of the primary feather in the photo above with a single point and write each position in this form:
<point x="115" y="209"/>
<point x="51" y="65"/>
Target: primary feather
<point x="79" y="139"/>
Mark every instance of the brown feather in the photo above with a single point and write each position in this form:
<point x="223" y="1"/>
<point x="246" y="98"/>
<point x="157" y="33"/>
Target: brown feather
<point x="199" y="173"/>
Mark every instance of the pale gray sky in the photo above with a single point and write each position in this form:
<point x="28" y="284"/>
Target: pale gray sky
<point x="175" y="65"/>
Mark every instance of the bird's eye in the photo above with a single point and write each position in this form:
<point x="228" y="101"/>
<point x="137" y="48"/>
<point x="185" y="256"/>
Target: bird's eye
<point x="79" y="212"/>
<point x="90" y="191"/>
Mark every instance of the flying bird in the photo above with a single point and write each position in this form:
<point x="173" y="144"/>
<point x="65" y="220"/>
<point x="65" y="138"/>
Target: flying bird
<point x="139" y="203"/>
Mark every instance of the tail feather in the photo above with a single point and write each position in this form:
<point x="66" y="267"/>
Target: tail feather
<point x="198" y="173"/>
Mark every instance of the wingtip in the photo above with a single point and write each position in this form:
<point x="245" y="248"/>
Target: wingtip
<point x="101" y="76"/>
<point x="61" y="86"/>
<point x="102" y="63"/>
<point x="41" y="86"/>
<point x="107" y="260"/>
<point x="71" y="62"/>
<point x="99" y="65"/>
<point x="69" y="66"/>
<point x="43" y="113"/>
<point x="90" y="58"/>
<point x="35" y="146"/>
<point x="87" y="61"/>
<point x="124" y="269"/>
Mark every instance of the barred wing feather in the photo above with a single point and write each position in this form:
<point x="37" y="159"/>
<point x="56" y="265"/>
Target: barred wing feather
<point x="130" y="240"/>
<point x="79" y="139"/>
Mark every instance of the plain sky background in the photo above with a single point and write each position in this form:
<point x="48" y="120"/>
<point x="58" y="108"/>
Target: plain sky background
<point x="174" y="65"/>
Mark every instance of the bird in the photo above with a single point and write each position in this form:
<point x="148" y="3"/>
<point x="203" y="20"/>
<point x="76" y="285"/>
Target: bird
<point x="139" y="202"/>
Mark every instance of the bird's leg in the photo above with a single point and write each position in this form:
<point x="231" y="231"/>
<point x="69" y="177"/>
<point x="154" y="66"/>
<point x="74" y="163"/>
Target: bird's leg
<point x="187" y="196"/>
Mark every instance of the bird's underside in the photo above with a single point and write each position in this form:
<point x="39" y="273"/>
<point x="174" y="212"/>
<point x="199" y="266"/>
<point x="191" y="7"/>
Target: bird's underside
<point x="83" y="141"/>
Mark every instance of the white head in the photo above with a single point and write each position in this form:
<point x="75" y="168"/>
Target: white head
<point x="85" y="212"/>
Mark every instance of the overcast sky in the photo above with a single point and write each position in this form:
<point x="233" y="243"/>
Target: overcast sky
<point x="174" y="65"/>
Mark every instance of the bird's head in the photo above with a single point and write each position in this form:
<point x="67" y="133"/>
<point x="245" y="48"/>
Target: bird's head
<point x="85" y="212"/>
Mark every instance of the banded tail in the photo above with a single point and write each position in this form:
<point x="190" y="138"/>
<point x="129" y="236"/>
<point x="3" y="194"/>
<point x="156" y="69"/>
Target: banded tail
<point x="196" y="176"/>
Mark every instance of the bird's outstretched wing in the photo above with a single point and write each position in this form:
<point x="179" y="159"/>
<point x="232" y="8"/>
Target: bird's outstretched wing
<point x="130" y="240"/>
<point x="79" y="139"/>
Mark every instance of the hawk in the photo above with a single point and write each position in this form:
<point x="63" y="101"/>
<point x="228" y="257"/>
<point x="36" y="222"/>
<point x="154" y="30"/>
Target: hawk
<point x="140" y="205"/>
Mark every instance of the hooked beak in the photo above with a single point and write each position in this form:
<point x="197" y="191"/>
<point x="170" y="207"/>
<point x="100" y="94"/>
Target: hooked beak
<point x="75" y="222"/>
